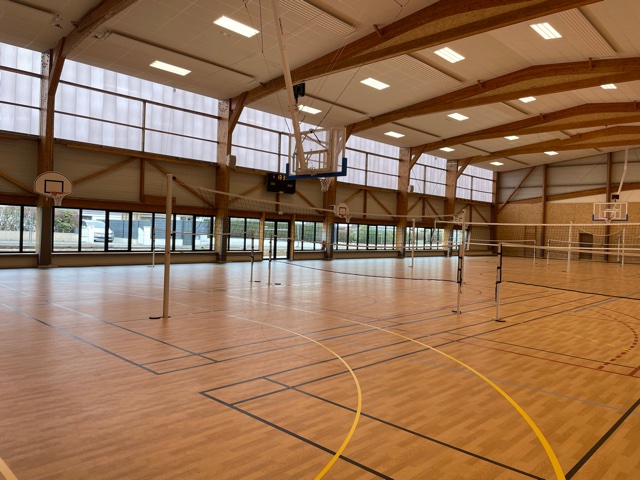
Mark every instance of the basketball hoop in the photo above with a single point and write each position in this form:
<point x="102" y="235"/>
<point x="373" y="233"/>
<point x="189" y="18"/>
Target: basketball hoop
<point x="608" y="215"/>
<point x="325" y="183"/>
<point x="57" y="197"/>
<point x="342" y="211"/>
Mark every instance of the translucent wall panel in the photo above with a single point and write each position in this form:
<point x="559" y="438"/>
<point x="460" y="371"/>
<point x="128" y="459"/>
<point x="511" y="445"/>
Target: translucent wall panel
<point x="96" y="131"/>
<point x="184" y="147"/>
<point x="20" y="58"/>
<point x="98" y="105"/>
<point x="19" y="119"/>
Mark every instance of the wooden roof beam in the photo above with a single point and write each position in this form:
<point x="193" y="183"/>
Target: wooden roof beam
<point x="583" y="116"/>
<point x="606" y="137"/>
<point x="530" y="81"/>
<point x="437" y="24"/>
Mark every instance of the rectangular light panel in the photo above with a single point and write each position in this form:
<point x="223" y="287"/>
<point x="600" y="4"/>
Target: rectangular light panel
<point x="546" y="31"/>
<point x="372" y="82"/>
<point x="449" y="55"/>
<point x="527" y="99"/>
<point x="609" y="86"/>
<point x="311" y="110"/>
<point x="236" y="27"/>
<point x="394" y="134"/>
<point x="447" y="149"/>
<point x="167" y="67"/>
<point x="512" y="137"/>
<point x="458" y="116"/>
<point x="497" y="164"/>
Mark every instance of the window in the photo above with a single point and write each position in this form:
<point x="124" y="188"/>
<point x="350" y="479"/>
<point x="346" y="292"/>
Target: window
<point x="20" y="92"/>
<point x="475" y="183"/>
<point x="371" y="163"/>
<point x="309" y="236"/>
<point x="426" y="238"/>
<point x="17" y="228"/>
<point x="351" y="236"/>
<point x="429" y="176"/>
<point x="244" y="234"/>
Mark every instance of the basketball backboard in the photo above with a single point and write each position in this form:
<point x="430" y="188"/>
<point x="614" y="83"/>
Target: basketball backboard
<point x="54" y="185"/>
<point x="610" y="212"/>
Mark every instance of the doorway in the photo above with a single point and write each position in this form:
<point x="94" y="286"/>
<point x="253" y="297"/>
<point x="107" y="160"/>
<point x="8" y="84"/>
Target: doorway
<point x="585" y="241"/>
<point x="279" y="230"/>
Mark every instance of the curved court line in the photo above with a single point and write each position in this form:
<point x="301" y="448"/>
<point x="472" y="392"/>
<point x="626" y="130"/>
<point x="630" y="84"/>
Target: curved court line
<point x="6" y="471"/>
<point x="355" y="380"/>
<point x="555" y="463"/>
<point x="557" y="468"/>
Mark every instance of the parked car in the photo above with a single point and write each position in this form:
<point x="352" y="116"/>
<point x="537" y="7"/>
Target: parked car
<point x="98" y="230"/>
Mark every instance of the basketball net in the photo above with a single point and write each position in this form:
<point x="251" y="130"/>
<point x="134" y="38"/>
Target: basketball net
<point x="57" y="197"/>
<point x="608" y="216"/>
<point x="325" y="183"/>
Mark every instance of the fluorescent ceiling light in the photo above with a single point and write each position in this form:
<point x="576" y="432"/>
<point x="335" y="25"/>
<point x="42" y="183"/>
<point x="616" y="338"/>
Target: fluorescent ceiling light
<point x="447" y="149"/>
<point x="551" y="153"/>
<point x="609" y="86"/>
<point x="394" y="134"/>
<point x="237" y="27"/>
<point x="527" y="99"/>
<point x="458" y="116"/>
<point x="449" y="55"/>
<point x="371" y="82"/>
<point x="170" y="68"/>
<point x="546" y="31"/>
<point x="512" y="137"/>
<point x="311" y="110"/>
<point x="497" y="164"/>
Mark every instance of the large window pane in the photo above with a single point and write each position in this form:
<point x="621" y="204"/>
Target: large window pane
<point x="184" y="232"/>
<point x="141" y="231"/>
<point x="66" y="229"/>
<point x="119" y="225"/>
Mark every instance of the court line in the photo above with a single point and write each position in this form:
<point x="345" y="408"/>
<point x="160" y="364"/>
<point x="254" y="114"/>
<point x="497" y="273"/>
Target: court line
<point x="6" y="471"/>
<point x="587" y="456"/>
<point x="555" y="463"/>
<point x="355" y="380"/>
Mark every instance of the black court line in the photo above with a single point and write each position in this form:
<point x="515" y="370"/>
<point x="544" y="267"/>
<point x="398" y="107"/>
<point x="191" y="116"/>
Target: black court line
<point x="297" y="436"/>
<point x="621" y="297"/>
<point x="71" y="335"/>
<point x="570" y="474"/>
<point x="373" y="276"/>
<point x="418" y="434"/>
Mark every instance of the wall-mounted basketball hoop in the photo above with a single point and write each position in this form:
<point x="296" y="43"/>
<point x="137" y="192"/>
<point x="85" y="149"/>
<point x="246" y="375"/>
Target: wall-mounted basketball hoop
<point x="342" y="211"/>
<point x="322" y="149"/>
<point x="610" y="212"/>
<point x="54" y="185"/>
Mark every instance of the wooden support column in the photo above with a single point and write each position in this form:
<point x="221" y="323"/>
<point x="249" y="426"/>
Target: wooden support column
<point x="543" y="213"/>
<point x="52" y="62"/>
<point x="328" y="201"/>
<point x="222" y="178"/>
<point x="402" y="199"/>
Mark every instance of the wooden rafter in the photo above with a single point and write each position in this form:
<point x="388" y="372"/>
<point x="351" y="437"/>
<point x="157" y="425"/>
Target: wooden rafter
<point x="379" y="203"/>
<point x="105" y="170"/>
<point x="16" y="182"/>
<point x="437" y="24"/>
<point x="191" y="190"/>
<point x="530" y="81"/>
<point x="583" y="116"/>
<point x="606" y="137"/>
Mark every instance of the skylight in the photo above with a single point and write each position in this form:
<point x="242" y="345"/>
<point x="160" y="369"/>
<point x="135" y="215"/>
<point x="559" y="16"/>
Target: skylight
<point x="394" y="134"/>
<point x="236" y="27"/>
<point x="449" y="55"/>
<point x="372" y="82"/>
<point x="551" y="153"/>
<point x="458" y="116"/>
<point x="497" y="164"/>
<point x="170" y="68"/>
<point x="546" y="31"/>
<point x="609" y="86"/>
<point x="311" y="110"/>
<point x="447" y="149"/>
<point x="527" y="99"/>
<point x="512" y="137"/>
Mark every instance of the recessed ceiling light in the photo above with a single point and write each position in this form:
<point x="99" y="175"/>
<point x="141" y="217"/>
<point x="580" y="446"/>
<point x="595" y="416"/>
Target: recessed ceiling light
<point x="311" y="110"/>
<point x="546" y="31"/>
<point x="447" y="149"/>
<point x="237" y="27"/>
<point x="512" y="137"/>
<point x="371" y="82"/>
<point x="527" y="99"/>
<point x="497" y="164"/>
<point x="551" y="153"/>
<point x="458" y="116"/>
<point x="609" y="86"/>
<point x="449" y="55"/>
<point x="170" y="68"/>
<point x="394" y="134"/>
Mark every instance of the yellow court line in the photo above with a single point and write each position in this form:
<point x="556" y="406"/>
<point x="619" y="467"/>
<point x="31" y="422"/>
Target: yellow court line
<point x="555" y="463"/>
<point x="355" y="380"/>
<point x="6" y="471"/>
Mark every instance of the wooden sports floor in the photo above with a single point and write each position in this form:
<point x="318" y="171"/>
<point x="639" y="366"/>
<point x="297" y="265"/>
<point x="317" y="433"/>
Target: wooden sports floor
<point x="350" y="369"/>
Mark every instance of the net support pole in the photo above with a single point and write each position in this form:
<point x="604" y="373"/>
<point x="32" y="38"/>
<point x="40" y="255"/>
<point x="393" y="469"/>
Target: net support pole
<point x="252" y="258"/>
<point x="569" y="250"/>
<point x="269" y="269"/>
<point x="167" y="248"/>
<point x="534" y="252"/>
<point x="461" y="248"/>
<point x="413" y="239"/>
<point x="623" y="232"/>
<point x="498" y="282"/>
<point x="548" y="251"/>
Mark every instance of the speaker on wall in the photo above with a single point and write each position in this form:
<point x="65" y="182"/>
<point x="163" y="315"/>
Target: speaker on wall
<point x="231" y="161"/>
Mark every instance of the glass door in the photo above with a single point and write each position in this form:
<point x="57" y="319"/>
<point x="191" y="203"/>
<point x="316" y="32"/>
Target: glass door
<point x="276" y="237"/>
